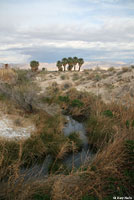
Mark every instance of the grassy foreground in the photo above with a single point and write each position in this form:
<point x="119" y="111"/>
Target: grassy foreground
<point x="110" y="131"/>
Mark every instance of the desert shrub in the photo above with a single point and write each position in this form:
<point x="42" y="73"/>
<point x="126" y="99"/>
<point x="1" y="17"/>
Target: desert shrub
<point x="97" y="77"/>
<point x="5" y="90"/>
<point x="64" y="77"/>
<point x="53" y="89"/>
<point x="111" y="69"/>
<point x="66" y="85"/>
<point x="132" y="66"/>
<point x="75" y="76"/>
<point x="24" y="96"/>
<point x="8" y="76"/>
<point x="126" y="69"/>
<point x="22" y="92"/>
<point x="23" y="76"/>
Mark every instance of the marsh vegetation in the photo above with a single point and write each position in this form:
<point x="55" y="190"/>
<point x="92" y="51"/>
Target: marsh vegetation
<point x="81" y="148"/>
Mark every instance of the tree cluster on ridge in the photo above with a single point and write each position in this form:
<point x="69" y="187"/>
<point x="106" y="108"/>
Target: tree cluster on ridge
<point x="69" y="63"/>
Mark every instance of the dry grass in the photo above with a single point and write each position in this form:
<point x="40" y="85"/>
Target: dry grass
<point x="109" y="127"/>
<point x="8" y="75"/>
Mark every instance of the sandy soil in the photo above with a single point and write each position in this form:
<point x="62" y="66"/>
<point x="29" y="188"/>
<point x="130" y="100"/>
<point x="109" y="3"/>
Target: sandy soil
<point x="13" y="127"/>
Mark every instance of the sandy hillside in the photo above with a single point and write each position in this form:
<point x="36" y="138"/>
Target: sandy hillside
<point x="111" y="84"/>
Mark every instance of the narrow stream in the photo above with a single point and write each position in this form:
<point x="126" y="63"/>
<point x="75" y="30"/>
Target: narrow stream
<point x="72" y="160"/>
<point x="85" y="155"/>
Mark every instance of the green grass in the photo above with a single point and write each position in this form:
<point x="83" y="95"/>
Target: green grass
<point x="41" y="197"/>
<point x="77" y="103"/>
<point x="108" y="113"/>
<point x="64" y="99"/>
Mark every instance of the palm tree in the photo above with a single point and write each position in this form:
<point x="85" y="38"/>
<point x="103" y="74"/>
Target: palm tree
<point x="70" y="63"/>
<point x="80" y="62"/>
<point x="75" y="61"/>
<point x="34" y="65"/>
<point x="64" y="62"/>
<point x="59" y="65"/>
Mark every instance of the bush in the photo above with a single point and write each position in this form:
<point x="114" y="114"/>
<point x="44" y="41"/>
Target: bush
<point x="63" y="77"/>
<point x="66" y="85"/>
<point x="8" y="76"/>
<point x="111" y="69"/>
<point x="75" y="76"/>
<point x="77" y="103"/>
<point x="97" y="77"/>
<point x="23" y="96"/>
<point x="132" y="66"/>
<point x="23" y="76"/>
<point x="126" y="69"/>
<point x="64" y="98"/>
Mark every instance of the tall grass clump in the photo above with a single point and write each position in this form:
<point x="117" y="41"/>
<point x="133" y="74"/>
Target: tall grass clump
<point x="23" y="96"/>
<point x="22" y="93"/>
<point x="8" y="75"/>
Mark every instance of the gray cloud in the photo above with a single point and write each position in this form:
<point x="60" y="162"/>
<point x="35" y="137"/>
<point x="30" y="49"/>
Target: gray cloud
<point x="101" y="37"/>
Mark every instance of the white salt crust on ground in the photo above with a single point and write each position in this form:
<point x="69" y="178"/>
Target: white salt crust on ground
<point x="9" y="131"/>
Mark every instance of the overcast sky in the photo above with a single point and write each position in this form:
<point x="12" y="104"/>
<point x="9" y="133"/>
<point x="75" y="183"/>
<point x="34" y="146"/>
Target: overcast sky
<point x="48" y="30"/>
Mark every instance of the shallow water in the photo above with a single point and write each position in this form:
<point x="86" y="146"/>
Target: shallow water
<point x="75" y="160"/>
<point x="38" y="170"/>
<point x="72" y="160"/>
<point x="75" y="126"/>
